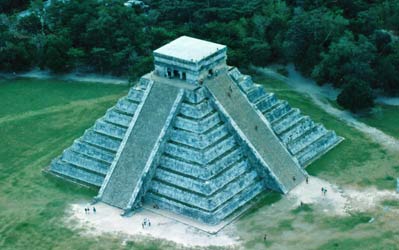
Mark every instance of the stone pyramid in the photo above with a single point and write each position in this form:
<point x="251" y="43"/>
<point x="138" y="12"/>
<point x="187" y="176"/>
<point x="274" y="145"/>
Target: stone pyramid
<point x="195" y="137"/>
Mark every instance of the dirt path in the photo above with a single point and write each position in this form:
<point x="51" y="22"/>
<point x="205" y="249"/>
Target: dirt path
<point x="319" y="96"/>
<point x="107" y="219"/>
<point x="392" y="101"/>
<point x="55" y="109"/>
<point x="95" y="78"/>
<point x="337" y="200"/>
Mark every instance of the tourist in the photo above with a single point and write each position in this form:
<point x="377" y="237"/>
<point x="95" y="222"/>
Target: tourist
<point x="322" y="190"/>
<point x="256" y="127"/>
<point x="265" y="237"/>
<point x="293" y="178"/>
<point x="325" y="191"/>
<point x="94" y="210"/>
<point x="85" y="210"/>
<point x="307" y="180"/>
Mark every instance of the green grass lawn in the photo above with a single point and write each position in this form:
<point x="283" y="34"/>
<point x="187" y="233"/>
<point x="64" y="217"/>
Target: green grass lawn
<point x="38" y="119"/>
<point x="385" y="118"/>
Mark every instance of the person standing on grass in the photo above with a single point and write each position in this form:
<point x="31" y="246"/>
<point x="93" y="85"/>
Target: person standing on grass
<point x="265" y="237"/>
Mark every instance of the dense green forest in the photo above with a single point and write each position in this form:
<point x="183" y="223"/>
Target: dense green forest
<point x="352" y="44"/>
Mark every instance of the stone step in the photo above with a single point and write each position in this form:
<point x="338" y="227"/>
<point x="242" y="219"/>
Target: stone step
<point x="197" y="126"/>
<point x="288" y="121"/>
<point x="278" y="111"/>
<point x="76" y="174"/>
<point x="92" y="151"/>
<point x="125" y="106"/>
<point x="135" y="95"/>
<point x="196" y="96"/>
<point x="205" y="188"/>
<point x="182" y="166"/>
<point x="197" y="155"/>
<point x="114" y="117"/>
<point x="235" y="74"/>
<point x="297" y="130"/>
<point x="291" y="112"/>
<point x="202" y="172"/>
<point x="267" y="102"/>
<point x="317" y="148"/>
<point x="239" y="200"/>
<point x="108" y="129"/>
<point x="199" y="141"/>
<point x="196" y="111"/>
<point x="256" y="93"/>
<point x="219" y="149"/>
<point x="205" y="216"/>
<point x="306" y="139"/>
<point x="265" y="109"/>
<point x="84" y="162"/>
<point x="246" y="83"/>
<point x="101" y="141"/>
<point x="208" y="203"/>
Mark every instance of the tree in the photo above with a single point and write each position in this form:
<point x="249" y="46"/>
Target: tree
<point x="56" y="53"/>
<point x="7" y="6"/>
<point x="309" y="34"/>
<point x="355" y="96"/>
<point x="260" y="54"/>
<point x="346" y="59"/>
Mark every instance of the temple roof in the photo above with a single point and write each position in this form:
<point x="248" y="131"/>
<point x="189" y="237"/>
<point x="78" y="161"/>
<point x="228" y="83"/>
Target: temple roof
<point x="189" y="49"/>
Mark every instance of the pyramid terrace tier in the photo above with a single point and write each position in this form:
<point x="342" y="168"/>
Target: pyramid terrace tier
<point x="88" y="159"/>
<point x="304" y="139"/>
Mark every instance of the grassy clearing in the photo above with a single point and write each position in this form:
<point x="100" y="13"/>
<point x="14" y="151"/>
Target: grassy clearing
<point x="24" y="94"/>
<point x="385" y="118"/>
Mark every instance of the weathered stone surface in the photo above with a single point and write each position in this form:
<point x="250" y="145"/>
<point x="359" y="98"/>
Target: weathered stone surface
<point x="305" y="140"/>
<point x="141" y="138"/>
<point x="202" y="149"/>
<point x="89" y="158"/>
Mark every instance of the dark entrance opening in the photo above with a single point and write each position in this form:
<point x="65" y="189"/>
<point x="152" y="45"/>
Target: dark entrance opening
<point x="210" y="71"/>
<point x="169" y="73"/>
<point x="176" y="73"/>
<point x="183" y="76"/>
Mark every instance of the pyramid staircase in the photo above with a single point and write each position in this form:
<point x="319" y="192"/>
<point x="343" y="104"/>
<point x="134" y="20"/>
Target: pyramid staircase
<point x="303" y="138"/>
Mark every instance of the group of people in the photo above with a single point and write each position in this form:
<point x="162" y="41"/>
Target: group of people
<point x="87" y="210"/>
<point x="146" y="223"/>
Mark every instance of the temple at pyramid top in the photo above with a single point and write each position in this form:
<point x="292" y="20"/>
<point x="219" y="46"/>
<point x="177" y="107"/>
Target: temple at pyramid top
<point x="189" y="59"/>
<point x="195" y="137"/>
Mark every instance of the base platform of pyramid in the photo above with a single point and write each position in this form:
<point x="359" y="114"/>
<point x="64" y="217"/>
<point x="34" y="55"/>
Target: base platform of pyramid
<point x="194" y="137"/>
